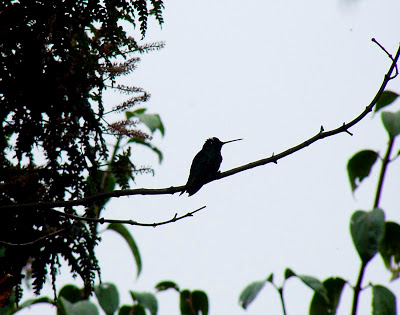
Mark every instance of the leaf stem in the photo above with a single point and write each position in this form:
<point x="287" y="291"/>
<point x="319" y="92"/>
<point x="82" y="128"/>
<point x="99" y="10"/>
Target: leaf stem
<point x="357" y="288"/>
<point x="385" y="163"/>
<point x="280" y="290"/>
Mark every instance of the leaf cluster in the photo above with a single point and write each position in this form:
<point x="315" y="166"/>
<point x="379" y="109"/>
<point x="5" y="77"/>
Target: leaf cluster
<point x="57" y="59"/>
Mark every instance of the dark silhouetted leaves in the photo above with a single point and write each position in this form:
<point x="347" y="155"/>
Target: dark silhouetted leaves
<point x="390" y="248"/>
<point x="147" y="300"/>
<point x="391" y="121"/>
<point x="250" y="293"/>
<point x="71" y="293"/>
<point x="387" y="98"/>
<point x="193" y="303"/>
<point x="124" y="232"/>
<point x="367" y="232"/>
<point x="383" y="301"/>
<point x="165" y="285"/>
<point x="319" y="305"/>
<point x="108" y="297"/>
<point x="359" y="167"/>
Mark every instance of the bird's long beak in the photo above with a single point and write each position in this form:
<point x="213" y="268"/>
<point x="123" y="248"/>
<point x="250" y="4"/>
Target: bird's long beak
<point x="231" y="141"/>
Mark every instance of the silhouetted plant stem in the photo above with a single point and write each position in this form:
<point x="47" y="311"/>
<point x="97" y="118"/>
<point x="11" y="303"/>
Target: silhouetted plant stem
<point x="280" y="290"/>
<point x="357" y="288"/>
<point x="385" y="162"/>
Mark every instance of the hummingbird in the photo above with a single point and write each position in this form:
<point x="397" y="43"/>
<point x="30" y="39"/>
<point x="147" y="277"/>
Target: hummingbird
<point x="205" y="165"/>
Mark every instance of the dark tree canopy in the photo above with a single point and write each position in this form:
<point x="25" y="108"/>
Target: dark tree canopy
<point x="57" y="57"/>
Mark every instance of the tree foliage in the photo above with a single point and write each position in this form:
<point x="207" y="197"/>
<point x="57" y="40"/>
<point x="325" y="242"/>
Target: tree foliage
<point x="57" y="58"/>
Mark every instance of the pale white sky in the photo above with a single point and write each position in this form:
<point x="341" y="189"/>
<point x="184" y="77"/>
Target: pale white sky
<point x="269" y="72"/>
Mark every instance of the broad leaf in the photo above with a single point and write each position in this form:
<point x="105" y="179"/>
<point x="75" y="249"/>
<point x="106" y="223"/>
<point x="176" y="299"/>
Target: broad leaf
<point x="152" y="121"/>
<point x="108" y="297"/>
<point x="126" y="310"/>
<point x="123" y="231"/>
<point x="383" y="301"/>
<point x="367" y="231"/>
<point x="71" y="293"/>
<point x="319" y="306"/>
<point x="387" y="98"/>
<point x="138" y="309"/>
<point x="165" y="285"/>
<point x="316" y="285"/>
<point x="146" y="299"/>
<point x="391" y="121"/>
<point x="359" y="167"/>
<point x="185" y="302"/>
<point x="79" y="308"/>
<point x="200" y="302"/>
<point x="390" y="248"/>
<point x="250" y="293"/>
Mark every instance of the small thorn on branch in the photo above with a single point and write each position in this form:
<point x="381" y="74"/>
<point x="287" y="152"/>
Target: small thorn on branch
<point x="274" y="160"/>
<point x="345" y="129"/>
<point x="322" y="129"/>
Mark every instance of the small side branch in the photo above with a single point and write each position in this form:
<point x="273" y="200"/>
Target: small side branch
<point x="101" y="221"/>
<point x="130" y="222"/>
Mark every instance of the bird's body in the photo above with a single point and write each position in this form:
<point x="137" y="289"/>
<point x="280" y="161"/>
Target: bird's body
<point x="205" y="165"/>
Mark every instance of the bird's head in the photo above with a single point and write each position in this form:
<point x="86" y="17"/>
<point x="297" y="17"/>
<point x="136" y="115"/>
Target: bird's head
<point x="216" y="144"/>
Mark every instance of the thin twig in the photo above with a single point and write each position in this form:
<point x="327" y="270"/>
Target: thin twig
<point x="42" y="238"/>
<point x="101" y="221"/>
<point x="131" y="222"/>
<point x="389" y="55"/>
<point x="385" y="163"/>
<point x="273" y="159"/>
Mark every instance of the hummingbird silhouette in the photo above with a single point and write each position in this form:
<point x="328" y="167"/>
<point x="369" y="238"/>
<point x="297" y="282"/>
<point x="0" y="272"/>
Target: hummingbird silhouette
<point x="205" y="165"/>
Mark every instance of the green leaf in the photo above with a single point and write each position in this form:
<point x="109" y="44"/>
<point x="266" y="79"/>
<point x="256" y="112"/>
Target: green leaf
<point x="79" y="308"/>
<point x="152" y="121"/>
<point x="250" y="293"/>
<point x="147" y="299"/>
<point x="71" y="293"/>
<point x="316" y="285"/>
<point x="149" y="145"/>
<point x="387" y="98"/>
<point x="289" y="273"/>
<point x="367" y="231"/>
<point x="391" y="121"/>
<point x="123" y="231"/>
<point x="125" y="310"/>
<point x="200" y="302"/>
<point x="359" y="167"/>
<point x="108" y="297"/>
<point x="165" y="285"/>
<point x="390" y="248"/>
<point x="319" y="306"/>
<point x="383" y="301"/>
<point x="185" y="303"/>
<point x="138" y="309"/>
<point x="271" y="278"/>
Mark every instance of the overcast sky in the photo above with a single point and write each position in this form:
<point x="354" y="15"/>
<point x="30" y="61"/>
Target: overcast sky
<point x="270" y="72"/>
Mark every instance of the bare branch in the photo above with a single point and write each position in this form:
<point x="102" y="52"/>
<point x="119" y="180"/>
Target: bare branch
<point x="273" y="159"/>
<point x="101" y="221"/>
<point x="131" y="222"/>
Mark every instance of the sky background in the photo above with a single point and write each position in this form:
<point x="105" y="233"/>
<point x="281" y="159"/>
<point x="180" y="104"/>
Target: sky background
<point x="270" y="72"/>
